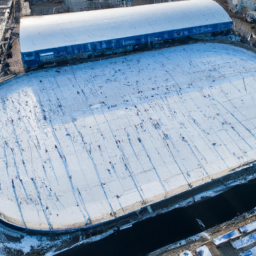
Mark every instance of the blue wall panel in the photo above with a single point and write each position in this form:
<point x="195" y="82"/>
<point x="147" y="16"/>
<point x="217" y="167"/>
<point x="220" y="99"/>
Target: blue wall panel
<point x="33" y="59"/>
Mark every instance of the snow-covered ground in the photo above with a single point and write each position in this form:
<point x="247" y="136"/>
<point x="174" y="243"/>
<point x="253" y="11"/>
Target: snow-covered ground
<point x="203" y="251"/>
<point x="83" y="144"/>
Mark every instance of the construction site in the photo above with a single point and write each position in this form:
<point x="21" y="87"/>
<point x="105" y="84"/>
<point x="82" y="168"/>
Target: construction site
<point x="128" y="128"/>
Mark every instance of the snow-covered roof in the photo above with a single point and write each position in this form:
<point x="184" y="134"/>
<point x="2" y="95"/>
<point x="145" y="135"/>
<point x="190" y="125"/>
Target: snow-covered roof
<point x="50" y="31"/>
<point x="112" y="135"/>
<point x="248" y="228"/>
<point x="244" y="241"/>
<point x="203" y="251"/>
<point x="223" y="238"/>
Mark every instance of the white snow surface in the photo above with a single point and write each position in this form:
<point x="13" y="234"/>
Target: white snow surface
<point x="251" y="252"/>
<point x="203" y="251"/>
<point x="223" y="238"/>
<point x="103" y="139"/>
<point x="50" y="31"/>
<point x="245" y="241"/>
<point x="248" y="228"/>
<point x="186" y="253"/>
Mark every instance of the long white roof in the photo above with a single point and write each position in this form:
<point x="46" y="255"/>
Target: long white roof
<point x="44" y="32"/>
<point x="112" y="135"/>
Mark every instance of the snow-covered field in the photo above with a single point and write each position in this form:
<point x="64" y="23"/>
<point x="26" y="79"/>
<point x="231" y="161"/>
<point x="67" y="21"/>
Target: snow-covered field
<point x="83" y="144"/>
